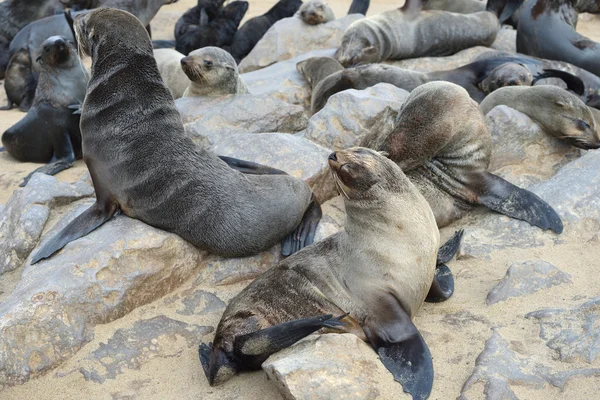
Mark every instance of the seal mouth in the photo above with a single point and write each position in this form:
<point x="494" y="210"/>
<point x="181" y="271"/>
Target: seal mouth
<point x="192" y="69"/>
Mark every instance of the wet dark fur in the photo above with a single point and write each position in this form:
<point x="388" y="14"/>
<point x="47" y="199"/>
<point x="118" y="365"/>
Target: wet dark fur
<point x="359" y="7"/>
<point x="191" y="19"/>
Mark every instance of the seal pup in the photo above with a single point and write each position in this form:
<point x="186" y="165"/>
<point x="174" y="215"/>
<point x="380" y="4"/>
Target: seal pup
<point x="369" y="279"/>
<point x="198" y="196"/>
<point x="558" y="112"/>
<point x="545" y="30"/>
<point x="248" y="35"/>
<point x="49" y="133"/>
<point x="201" y="14"/>
<point x="212" y="72"/>
<point x="315" y="70"/>
<point x="447" y="156"/>
<point x="509" y="74"/>
<point x="169" y="66"/>
<point x="315" y="12"/>
<point x="19" y="87"/>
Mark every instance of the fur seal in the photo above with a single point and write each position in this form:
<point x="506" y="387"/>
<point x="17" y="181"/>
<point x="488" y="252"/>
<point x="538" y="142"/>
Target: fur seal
<point x="545" y="30"/>
<point x="169" y="66"/>
<point x="359" y="7"/>
<point x="201" y="14"/>
<point x="558" y="112"/>
<point x="49" y="133"/>
<point x="447" y="158"/>
<point x="315" y="12"/>
<point x="212" y="72"/>
<point x="20" y="89"/>
<point x="315" y="70"/>
<point x="509" y="74"/>
<point x="200" y="196"/>
<point x="248" y="35"/>
<point x="218" y="32"/>
<point x="369" y="279"/>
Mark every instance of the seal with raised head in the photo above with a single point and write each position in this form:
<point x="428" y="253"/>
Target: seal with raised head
<point x="142" y="163"/>
<point x="315" y="12"/>
<point x="447" y="156"/>
<point x="369" y="279"/>
<point x="49" y="133"/>
<point x="212" y="72"/>
<point x="316" y="69"/>
<point x="558" y="112"/>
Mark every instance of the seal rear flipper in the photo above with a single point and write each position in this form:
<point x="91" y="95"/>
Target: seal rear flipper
<point x="249" y="167"/>
<point x="502" y="196"/>
<point x="574" y="83"/>
<point x="442" y="286"/>
<point x="304" y="234"/>
<point x="449" y="249"/>
<point x="64" y="156"/>
<point x="83" y="224"/>
<point x="359" y="7"/>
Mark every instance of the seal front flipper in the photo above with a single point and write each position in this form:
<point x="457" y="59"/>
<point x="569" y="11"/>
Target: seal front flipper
<point x="442" y="286"/>
<point x="574" y="83"/>
<point x="304" y="234"/>
<point x="502" y="196"/>
<point x="249" y="167"/>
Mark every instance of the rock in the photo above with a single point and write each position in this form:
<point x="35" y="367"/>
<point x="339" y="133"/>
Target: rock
<point x="428" y="64"/>
<point x="351" y="115"/>
<point x="145" y="340"/>
<point x="526" y="278"/>
<point x="163" y="23"/>
<point x="522" y="152"/>
<point x="333" y="220"/>
<point x="296" y="156"/>
<point x="290" y="37"/>
<point x="201" y="302"/>
<point x="572" y="333"/>
<point x="283" y="81"/>
<point x="25" y="214"/>
<point x="52" y="311"/>
<point x="207" y="119"/>
<point x="331" y="366"/>
<point x="506" y="40"/>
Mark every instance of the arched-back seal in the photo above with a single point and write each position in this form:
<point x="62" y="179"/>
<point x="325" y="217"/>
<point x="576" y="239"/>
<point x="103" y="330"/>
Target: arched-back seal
<point x="315" y="12"/>
<point x="142" y="163"/>
<point x="212" y="72"/>
<point x="369" y="279"/>
<point x="447" y="155"/>
<point x="49" y="133"/>
<point x="169" y="66"/>
<point x="545" y="30"/>
<point x="557" y="111"/>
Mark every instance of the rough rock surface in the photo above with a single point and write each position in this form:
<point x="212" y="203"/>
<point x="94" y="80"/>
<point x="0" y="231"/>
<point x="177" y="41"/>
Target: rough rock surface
<point x="526" y="278"/>
<point x="428" y="64"/>
<point x="351" y="115"/>
<point x="290" y="37"/>
<point x="244" y="113"/>
<point x="506" y="40"/>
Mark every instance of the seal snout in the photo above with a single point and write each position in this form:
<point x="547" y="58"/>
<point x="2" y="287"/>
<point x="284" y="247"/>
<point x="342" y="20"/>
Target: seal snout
<point x="333" y="161"/>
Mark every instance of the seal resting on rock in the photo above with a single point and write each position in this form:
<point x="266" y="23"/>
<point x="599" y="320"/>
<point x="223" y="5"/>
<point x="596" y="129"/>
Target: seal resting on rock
<point x="142" y="163"/>
<point x="315" y="70"/>
<point x="315" y="12"/>
<point x="169" y="66"/>
<point x="447" y="156"/>
<point x="369" y="279"/>
<point x="212" y="72"/>
<point x="558" y="112"/>
<point x="49" y="133"/>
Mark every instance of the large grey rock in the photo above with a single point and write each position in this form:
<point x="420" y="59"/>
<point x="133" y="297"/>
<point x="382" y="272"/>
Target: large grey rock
<point x="351" y="115"/>
<point x="522" y="152"/>
<point x="296" y="156"/>
<point x="25" y="214"/>
<point x="283" y="81"/>
<point x="506" y="40"/>
<point x="331" y="366"/>
<point x="207" y="119"/>
<point x="526" y="278"/>
<point x="428" y="64"/>
<point x="290" y="37"/>
<point x="573" y="333"/>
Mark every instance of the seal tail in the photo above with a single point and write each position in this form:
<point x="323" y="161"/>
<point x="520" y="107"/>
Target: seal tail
<point x="503" y="9"/>
<point x="442" y="286"/>
<point x="574" y="83"/>
<point x="359" y="7"/>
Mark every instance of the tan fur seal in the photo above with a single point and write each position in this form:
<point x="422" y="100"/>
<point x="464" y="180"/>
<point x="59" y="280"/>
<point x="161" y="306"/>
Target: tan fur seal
<point x="142" y="163"/>
<point x="212" y="72"/>
<point x="315" y="12"/>
<point x="442" y="143"/>
<point x="369" y="279"/>
<point x="558" y="112"/>
<point x="169" y="66"/>
<point x="508" y="74"/>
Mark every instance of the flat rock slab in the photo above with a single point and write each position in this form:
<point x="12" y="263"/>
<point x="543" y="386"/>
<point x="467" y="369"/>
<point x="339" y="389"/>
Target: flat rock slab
<point x="331" y="366"/>
<point x="526" y="278"/>
<point x="290" y="37"/>
<point x="208" y="119"/>
<point x="351" y="115"/>
<point x="428" y="64"/>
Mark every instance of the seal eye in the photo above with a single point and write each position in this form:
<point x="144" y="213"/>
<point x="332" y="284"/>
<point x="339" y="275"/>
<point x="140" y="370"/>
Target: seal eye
<point x="582" y="125"/>
<point x="208" y="63"/>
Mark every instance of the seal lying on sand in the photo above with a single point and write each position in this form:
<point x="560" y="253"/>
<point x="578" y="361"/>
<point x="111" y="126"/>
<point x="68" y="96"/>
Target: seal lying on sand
<point x="369" y="279"/>
<point x="212" y="72"/>
<point x="557" y="111"/>
<point x="447" y="155"/>
<point x="49" y="133"/>
<point x="142" y="163"/>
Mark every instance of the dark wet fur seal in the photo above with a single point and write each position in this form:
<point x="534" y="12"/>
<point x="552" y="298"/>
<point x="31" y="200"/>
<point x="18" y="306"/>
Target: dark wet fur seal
<point x="359" y="7"/>
<point x="255" y="28"/>
<point x="315" y="70"/>
<point x="49" y="133"/>
<point x="218" y="33"/>
<point x="199" y="15"/>
<point x="19" y="83"/>
<point x="558" y="112"/>
<point x="447" y="156"/>
<point x="127" y="117"/>
<point x="369" y="279"/>
<point x="545" y="30"/>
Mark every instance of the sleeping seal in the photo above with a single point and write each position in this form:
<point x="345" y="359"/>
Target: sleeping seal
<point x="315" y="12"/>
<point x="369" y="279"/>
<point x="142" y="163"/>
